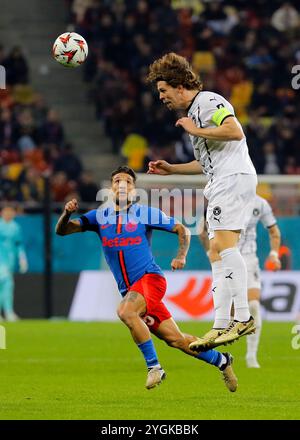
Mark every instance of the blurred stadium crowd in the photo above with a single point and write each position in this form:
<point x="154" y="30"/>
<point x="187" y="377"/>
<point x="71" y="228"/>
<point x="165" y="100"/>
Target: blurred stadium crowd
<point x="243" y="50"/>
<point x="32" y="143"/>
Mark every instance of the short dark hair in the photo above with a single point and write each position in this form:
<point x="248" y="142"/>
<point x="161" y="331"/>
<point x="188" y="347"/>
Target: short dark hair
<point x="123" y="169"/>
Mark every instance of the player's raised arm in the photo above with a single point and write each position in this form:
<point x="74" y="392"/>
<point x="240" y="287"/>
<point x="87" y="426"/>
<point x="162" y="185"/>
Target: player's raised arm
<point x="164" y="168"/>
<point x="65" y="226"/>
<point x="229" y="130"/>
<point x="184" y="238"/>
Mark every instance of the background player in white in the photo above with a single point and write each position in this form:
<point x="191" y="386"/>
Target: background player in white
<point x="221" y="152"/>
<point x="262" y="212"/>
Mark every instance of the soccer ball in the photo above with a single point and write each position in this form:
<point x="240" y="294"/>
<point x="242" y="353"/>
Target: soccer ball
<point x="70" y="49"/>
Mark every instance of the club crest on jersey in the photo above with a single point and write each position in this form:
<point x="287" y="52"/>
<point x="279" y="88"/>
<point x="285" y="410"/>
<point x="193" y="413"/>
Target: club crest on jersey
<point x="217" y="211"/>
<point x="255" y="212"/>
<point x="131" y="227"/>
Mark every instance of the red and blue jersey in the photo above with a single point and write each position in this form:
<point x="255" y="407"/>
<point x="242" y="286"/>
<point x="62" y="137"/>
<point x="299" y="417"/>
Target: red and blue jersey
<point x="126" y="239"/>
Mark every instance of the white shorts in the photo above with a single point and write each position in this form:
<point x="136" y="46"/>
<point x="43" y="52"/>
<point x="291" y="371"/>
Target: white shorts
<point x="230" y="202"/>
<point x="253" y="272"/>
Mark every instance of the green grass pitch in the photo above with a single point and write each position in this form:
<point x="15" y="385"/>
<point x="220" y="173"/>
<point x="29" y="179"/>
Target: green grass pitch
<point x="63" y="370"/>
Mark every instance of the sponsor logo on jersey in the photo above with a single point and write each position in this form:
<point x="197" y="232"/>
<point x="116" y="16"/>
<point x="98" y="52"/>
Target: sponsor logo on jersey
<point x="120" y="242"/>
<point x="255" y="212"/>
<point x="131" y="227"/>
<point x="105" y="226"/>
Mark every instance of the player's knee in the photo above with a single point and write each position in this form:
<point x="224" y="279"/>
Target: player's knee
<point x="126" y="316"/>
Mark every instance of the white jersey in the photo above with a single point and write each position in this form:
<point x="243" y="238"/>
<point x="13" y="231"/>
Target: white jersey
<point x="262" y="212"/>
<point x="217" y="158"/>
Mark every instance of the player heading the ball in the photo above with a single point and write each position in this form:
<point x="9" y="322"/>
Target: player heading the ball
<point x="221" y="152"/>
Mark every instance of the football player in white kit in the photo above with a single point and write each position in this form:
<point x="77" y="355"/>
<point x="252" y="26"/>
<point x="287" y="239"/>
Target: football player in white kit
<point x="221" y="152"/>
<point x="262" y="212"/>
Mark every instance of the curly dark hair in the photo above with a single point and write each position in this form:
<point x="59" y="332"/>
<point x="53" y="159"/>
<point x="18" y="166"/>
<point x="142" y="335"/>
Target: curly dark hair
<point x="124" y="169"/>
<point x="176" y="71"/>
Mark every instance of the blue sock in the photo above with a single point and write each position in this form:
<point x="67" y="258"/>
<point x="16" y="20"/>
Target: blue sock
<point x="213" y="357"/>
<point x="148" y="350"/>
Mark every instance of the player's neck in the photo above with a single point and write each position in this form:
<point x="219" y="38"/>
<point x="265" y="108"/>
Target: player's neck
<point x="190" y="96"/>
<point x="123" y="207"/>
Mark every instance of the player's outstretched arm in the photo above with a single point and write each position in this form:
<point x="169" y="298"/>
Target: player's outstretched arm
<point x="164" y="168"/>
<point x="66" y="226"/>
<point x="184" y="238"/>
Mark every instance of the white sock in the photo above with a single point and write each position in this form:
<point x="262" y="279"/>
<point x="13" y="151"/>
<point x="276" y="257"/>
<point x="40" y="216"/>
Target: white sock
<point x="223" y="361"/>
<point x="253" y="340"/>
<point x="235" y="273"/>
<point x="221" y="295"/>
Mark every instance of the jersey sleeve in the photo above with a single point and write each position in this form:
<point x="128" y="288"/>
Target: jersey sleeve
<point x="213" y="110"/>
<point x="89" y="221"/>
<point x="157" y="219"/>
<point x="267" y="217"/>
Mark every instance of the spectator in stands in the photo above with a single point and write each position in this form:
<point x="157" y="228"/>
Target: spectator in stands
<point x="87" y="188"/>
<point x="26" y="131"/>
<point x="51" y="131"/>
<point x="271" y="162"/>
<point x="40" y="109"/>
<point x="286" y="18"/>
<point x="68" y="162"/>
<point x="7" y="129"/>
<point x="219" y="19"/>
<point x="8" y="188"/>
<point x="16" y="67"/>
<point x="61" y="186"/>
<point x="264" y="101"/>
<point x="31" y="186"/>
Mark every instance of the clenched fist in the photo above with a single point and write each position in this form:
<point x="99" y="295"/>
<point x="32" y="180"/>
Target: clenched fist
<point x="71" y="206"/>
<point x="188" y="125"/>
<point x="161" y="167"/>
<point x="178" y="263"/>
